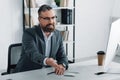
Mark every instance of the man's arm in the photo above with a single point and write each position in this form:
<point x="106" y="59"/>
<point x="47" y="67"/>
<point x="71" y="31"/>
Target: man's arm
<point x="61" y="56"/>
<point x="31" y="49"/>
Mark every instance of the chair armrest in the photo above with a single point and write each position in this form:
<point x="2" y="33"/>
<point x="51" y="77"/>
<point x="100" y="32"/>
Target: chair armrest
<point x="4" y="73"/>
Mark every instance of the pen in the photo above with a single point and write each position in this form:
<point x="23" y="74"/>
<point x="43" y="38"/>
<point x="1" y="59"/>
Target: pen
<point x="50" y="73"/>
<point x="99" y="73"/>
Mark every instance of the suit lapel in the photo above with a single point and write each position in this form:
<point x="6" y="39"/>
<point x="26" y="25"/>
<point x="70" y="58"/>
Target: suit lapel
<point x="53" y="45"/>
<point x="42" y="41"/>
<point x="43" y="47"/>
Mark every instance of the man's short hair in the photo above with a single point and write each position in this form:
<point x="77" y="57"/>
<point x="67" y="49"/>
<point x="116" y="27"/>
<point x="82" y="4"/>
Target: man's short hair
<point x="44" y="8"/>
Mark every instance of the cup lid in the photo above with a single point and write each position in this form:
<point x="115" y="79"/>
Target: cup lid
<point x="100" y="52"/>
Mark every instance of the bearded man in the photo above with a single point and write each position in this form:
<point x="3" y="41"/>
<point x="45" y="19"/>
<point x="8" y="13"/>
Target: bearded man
<point x="42" y="45"/>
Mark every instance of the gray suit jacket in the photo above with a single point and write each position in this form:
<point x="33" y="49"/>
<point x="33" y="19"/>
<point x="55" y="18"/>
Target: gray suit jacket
<point x="33" y="50"/>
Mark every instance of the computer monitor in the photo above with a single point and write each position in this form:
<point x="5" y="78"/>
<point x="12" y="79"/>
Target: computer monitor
<point x="113" y="44"/>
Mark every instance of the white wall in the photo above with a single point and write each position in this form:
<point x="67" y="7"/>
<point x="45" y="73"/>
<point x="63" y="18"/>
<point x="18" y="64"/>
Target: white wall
<point x="10" y="27"/>
<point x="116" y="9"/>
<point x="92" y="26"/>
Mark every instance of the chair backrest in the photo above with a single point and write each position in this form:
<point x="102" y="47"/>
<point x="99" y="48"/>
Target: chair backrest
<point x="14" y="52"/>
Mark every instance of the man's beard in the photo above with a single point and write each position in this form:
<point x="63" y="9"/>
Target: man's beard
<point x="49" y="28"/>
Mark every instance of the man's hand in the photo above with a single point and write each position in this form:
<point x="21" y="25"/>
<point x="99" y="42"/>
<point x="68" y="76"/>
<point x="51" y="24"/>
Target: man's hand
<point x="59" y="69"/>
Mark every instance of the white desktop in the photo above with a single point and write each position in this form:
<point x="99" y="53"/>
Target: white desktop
<point x="84" y="70"/>
<point x="113" y="45"/>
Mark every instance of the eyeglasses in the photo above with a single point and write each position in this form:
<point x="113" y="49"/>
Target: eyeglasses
<point x="48" y="18"/>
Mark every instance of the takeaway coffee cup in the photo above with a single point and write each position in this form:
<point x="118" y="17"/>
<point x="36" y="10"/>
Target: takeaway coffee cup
<point x="101" y="55"/>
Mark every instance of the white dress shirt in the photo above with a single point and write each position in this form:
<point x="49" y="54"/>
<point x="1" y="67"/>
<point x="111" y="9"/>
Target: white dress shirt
<point x="47" y="45"/>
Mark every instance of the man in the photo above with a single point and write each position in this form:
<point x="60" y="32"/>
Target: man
<point x="42" y="45"/>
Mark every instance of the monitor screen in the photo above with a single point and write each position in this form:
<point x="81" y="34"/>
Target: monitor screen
<point x="113" y="44"/>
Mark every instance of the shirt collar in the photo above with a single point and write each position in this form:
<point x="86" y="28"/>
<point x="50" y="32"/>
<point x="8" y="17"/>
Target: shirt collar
<point x="49" y="37"/>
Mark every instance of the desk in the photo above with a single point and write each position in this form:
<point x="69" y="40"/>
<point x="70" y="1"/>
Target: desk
<point x="86" y="71"/>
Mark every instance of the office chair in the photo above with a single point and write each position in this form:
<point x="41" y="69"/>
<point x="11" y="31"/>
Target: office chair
<point x="14" y="52"/>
